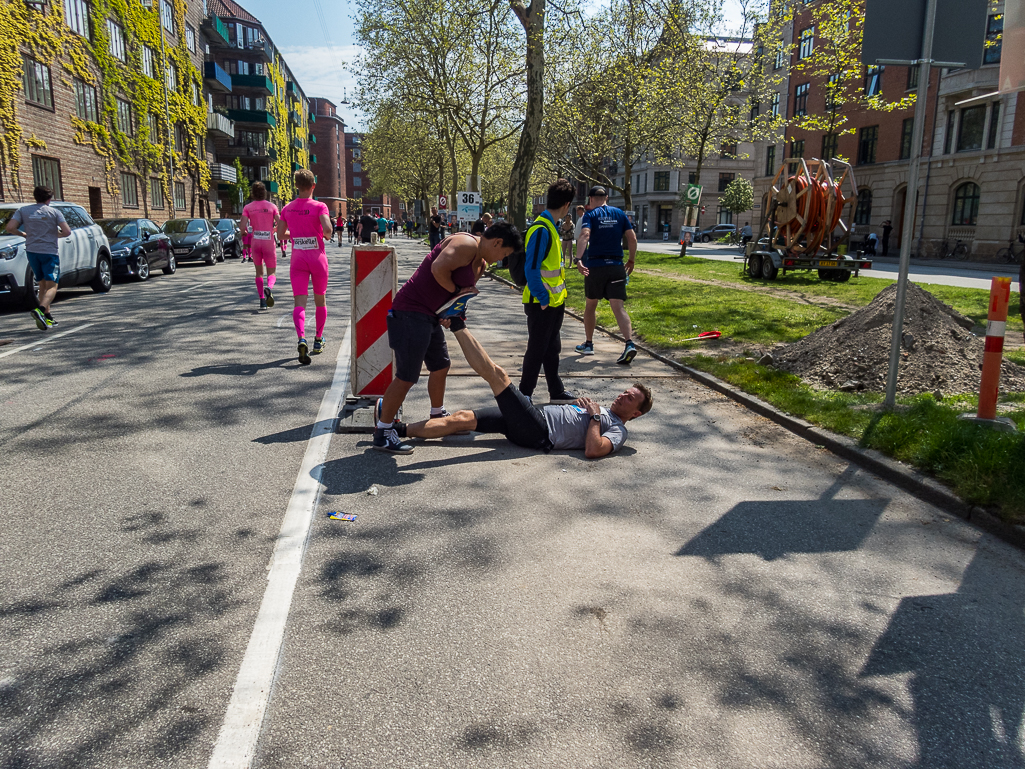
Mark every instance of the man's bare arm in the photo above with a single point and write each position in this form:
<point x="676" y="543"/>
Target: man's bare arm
<point x="630" y="238"/>
<point x="458" y="252"/>
<point x="582" y="241"/>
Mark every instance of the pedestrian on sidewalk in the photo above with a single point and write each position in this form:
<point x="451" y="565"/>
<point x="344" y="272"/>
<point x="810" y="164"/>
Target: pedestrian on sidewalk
<point x="414" y="330"/>
<point x="41" y="225"/>
<point x="887" y="229"/>
<point x="544" y="297"/>
<point x="604" y="231"/>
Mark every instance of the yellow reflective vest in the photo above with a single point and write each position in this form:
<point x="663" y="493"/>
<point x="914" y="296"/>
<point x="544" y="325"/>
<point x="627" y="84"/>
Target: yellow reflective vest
<point x="552" y="273"/>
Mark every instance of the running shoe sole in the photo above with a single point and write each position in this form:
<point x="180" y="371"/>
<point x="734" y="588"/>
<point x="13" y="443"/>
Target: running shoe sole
<point x="304" y="354"/>
<point x="456" y="306"/>
<point x="269" y="297"/>
<point x="627" y="356"/>
<point x="390" y="450"/>
<point x="40" y="319"/>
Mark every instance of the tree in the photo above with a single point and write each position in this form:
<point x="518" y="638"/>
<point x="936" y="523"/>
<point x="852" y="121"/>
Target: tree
<point x="240" y="190"/>
<point x="400" y="157"/>
<point x="738" y="197"/>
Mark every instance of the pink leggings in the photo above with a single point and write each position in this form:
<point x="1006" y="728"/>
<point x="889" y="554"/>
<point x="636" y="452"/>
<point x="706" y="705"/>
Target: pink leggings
<point x="306" y="266"/>
<point x="264" y="253"/>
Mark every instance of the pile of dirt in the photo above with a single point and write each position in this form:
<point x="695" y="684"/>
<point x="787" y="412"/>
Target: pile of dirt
<point x="939" y="352"/>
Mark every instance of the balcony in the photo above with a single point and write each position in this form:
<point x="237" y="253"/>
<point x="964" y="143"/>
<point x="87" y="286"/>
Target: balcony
<point x="313" y="139"/>
<point x="223" y="173"/>
<point x="313" y="118"/>
<point x="216" y="79"/>
<point x="313" y="159"/>
<point x="962" y="81"/>
<point x="261" y="83"/>
<point x="238" y="151"/>
<point x="294" y="117"/>
<point x="216" y="123"/>
<point x="216" y="32"/>
<point x="271" y="185"/>
<point x="262" y="47"/>
<point x="297" y="143"/>
<point x="260" y="117"/>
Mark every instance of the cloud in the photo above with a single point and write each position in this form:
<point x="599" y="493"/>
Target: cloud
<point x="324" y="71"/>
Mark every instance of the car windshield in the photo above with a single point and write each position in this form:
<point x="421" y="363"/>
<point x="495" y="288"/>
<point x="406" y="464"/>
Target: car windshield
<point x="184" y="225"/>
<point x="5" y="216"/>
<point x="225" y="225"/>
<point x="119" y="228"/>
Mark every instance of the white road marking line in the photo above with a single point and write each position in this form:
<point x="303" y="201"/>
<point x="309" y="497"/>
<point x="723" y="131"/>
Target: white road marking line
<point x="236" y="741"/>
<point x="44" y="341"/>
<point x="281" y="320"/>
<point x="197" y="285"/>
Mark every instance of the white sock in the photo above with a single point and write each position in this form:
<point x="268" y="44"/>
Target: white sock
<point x="384" y="425"/>
<point x="437" y="412"/>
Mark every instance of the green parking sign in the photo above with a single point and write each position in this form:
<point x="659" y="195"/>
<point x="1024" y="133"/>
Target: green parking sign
<point x="693" y="194"/>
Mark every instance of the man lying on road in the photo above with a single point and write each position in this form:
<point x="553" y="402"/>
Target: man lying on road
<point x="582" y="424"/>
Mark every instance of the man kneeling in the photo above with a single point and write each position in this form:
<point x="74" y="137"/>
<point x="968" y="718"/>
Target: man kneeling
<point x="582" y="424"/>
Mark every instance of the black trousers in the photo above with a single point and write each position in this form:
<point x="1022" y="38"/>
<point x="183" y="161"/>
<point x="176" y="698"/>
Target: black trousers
<point x="544" y="346"/>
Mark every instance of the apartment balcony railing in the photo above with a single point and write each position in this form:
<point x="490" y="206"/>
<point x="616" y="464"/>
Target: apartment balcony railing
<point x="261" y="83"/>
<point x="262" y="117"/>
<point x="216" y="123"/>
<point x="216" y="78"/>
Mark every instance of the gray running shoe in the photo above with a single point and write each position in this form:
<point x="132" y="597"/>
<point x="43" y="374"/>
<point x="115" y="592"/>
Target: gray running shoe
<point x="388" y="440"/>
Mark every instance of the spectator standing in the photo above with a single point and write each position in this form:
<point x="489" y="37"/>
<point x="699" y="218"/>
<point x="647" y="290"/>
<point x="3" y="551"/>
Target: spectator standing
<point x="576" y="228"/>
<point x="566" y="231"/>
<point x="41" y="225"/>
<point x="887" y="229"/>
<point x="367" y="225"/>
<point x="434" y="228"/>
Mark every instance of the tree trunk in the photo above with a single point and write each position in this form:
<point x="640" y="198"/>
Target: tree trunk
<point x="532" y="19"/>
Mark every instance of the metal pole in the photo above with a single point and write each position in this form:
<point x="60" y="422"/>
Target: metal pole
<point x="167" y="112"/>
<point x="911" y="202"/>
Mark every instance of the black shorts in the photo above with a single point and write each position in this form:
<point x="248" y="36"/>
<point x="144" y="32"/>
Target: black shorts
<point x="417" y="339"/>
<point x="605" y="281"/>
<point x="517" y="419"/>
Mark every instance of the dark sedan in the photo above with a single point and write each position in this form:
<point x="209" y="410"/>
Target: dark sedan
<point x="231" y="237"/>
<point x="137" y="247"/>
<point x="194" y="240"/>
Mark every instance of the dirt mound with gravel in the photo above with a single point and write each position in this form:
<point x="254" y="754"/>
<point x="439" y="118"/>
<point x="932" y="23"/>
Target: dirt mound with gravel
<point x="939" y="350"/>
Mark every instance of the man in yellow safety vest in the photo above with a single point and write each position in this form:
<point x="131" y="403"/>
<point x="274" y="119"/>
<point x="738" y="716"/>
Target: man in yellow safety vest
<point x="544" y="298"/>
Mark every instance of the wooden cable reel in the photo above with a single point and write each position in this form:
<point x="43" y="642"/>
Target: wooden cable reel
<point x="791" y="203"/>
<point x="807" y="205"/>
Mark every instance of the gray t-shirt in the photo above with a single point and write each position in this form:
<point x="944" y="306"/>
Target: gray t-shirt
<point x="567" y="426"/>
<point x="39" y="222"/>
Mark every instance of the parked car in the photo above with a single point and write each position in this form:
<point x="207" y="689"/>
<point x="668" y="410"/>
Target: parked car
<point x="716" y="232"/>
<point x="194" y="240"/>
<point x="231" y="237"/>
<point x="84" y="255"/>
<point x="137" y="246"/>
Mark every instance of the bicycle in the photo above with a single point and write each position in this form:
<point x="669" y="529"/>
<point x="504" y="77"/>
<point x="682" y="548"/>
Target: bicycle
<point x="1011" y="255"/>
<point x="958" y="252"/>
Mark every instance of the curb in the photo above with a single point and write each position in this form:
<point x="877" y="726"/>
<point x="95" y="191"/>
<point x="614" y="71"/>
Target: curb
<point x="913" y="481"/>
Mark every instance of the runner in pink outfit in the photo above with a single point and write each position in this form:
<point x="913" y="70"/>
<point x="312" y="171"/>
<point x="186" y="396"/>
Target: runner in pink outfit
<point x="261" y="216"/>
<point x="307" y="223"/>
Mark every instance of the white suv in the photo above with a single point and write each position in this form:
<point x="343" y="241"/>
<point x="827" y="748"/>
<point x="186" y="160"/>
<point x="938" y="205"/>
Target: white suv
<point x="84" y="255"/>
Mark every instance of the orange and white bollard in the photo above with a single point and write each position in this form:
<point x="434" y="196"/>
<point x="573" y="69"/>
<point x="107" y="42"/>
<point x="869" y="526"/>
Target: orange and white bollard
<point x="989" y="390"/>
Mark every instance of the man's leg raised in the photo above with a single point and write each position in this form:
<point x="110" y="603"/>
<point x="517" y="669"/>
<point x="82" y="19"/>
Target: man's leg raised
<point x="479" y="361"/>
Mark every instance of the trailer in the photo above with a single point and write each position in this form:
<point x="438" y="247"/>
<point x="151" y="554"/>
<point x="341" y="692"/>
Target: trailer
<point x="808" y="222"/>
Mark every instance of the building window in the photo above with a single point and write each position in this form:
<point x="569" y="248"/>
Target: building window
<point x="907" y="131"/>
<point x="863" y="212"/>
<point x="724" y="180"/>
<point x="770" y="161"/>
<point x="966" y="205"/>
<point x="85" y="101"/>
<point x="723" y="216"/>
<point x="756" y="108"/>
<point x="832" y="90"/>
<point x="195" y="93"/>
<point x="692" y="177"/>
<point x="868" y="138"/>
<point x="357" y="168"/>
<point x="255" y="140"/>
<point x="775" y="104"/>
<point x="830" y="144"/>
<point x="37" y="83"/>
<point x="171" y="78"/>
<point x="801" y="99"/>
<point x="781" y="56"/>
<point x="156" y="193"/>
<point x="46" y="172"/>
<point x="994" y="39"/>
<point x="154" y="128"/>
<point x="147" y="61"/>
<point x="116" y="41"/>
<point x="661" y="181"/>
<point x="179" y="196"/>
<point x="179" y="138"/>
<point x="797" y="148"/>
<point x="129" y="191"/>
<point x="76" y="16"/>
<point x="167" y="16"/>
<point x="357" y="154"/>
<point x="727" y="150"/>
<point x="357" y="182"/>
<point x="190" y="38"/>
<point x="994" y="126"/>
<point x="948" y="140"/>
<point x="874" y="80"/>
<point x="970" y="132"/>
<point x="913" y="78"/>
<point x="124" y="117"/>
<point x="807" y="43"/>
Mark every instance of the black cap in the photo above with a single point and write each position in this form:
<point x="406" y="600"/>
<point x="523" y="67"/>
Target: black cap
<point x="597" y="192"/>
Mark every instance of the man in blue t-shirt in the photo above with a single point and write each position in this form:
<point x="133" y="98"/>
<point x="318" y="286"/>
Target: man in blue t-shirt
<point x="600" y="260"/>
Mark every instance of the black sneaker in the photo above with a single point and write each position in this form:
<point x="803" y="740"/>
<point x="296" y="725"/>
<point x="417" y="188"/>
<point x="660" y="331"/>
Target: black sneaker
<point x="304" y="353"/>
<point x="628" y="354"/>
<point x="564" y="397"/>
<point x="263" y="304"/>
<point x="388" y="440"/>
<point x="269" y="297"/>
<point x="40" y="318"/>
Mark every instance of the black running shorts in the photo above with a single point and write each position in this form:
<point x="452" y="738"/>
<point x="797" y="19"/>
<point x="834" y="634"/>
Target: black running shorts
<point x="605" y="281"/>
<point x="417" y="340"/>
<point x="517" y="419"/>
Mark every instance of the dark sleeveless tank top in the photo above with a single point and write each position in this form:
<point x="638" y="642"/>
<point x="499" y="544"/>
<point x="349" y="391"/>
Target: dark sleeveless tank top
<point x="422" y="293"/>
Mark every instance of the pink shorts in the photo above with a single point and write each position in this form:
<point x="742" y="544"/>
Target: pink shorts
<point x="306" y="266"/>
<point x="263" y="252"/>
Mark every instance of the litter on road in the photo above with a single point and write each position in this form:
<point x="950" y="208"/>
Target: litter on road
<point x="342" y="516"/>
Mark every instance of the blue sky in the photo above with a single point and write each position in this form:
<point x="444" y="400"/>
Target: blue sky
<point x="319" y="55"/>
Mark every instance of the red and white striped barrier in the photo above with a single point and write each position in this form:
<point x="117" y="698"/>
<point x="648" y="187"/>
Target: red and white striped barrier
<point x="999" y="297"/>
<point x="374" y="280"/>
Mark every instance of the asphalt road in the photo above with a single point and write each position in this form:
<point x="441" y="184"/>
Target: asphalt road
<point x="944" y="274"/>
<point x="717" y="594"/>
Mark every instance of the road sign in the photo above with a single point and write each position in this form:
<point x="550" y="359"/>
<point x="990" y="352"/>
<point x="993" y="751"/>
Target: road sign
<point x="469" y="206"/>
<point x="895" y="29"/>
<point x="693" y="194"/>
<point x="442" y="201"/>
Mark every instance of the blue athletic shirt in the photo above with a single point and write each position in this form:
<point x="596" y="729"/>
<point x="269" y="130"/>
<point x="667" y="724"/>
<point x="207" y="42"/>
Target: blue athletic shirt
<point x="607" y="225"/>
<point x="537" y="249"/>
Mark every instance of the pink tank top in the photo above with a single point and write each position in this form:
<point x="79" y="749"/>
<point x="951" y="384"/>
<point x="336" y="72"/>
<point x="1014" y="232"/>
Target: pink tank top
<point x="302" y="216"/>
<point x="261" y="214"/>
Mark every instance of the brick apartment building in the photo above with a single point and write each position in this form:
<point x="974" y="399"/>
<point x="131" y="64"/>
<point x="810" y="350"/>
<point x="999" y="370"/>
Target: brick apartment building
<point x="90" y="119"/>
<point x="972" y="186"/>
<point x="329" y="163"/>
<point x="358" y="183"/>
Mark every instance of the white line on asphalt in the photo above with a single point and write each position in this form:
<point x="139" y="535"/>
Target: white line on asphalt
<point x="48" y="339"/>
<point x="236" y="742"/>
<point x="281" y="320"/>
<point x="198" y="285"/>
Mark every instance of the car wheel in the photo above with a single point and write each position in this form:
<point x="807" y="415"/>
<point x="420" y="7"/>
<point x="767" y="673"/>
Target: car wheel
<point x="706" y="239"/>
<point x="102" y="281"/>
<point x="141" y="267"/>
<point x="172" y="265"/>
<point x="220" y="253"/>
<point x="210" y="258"/>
